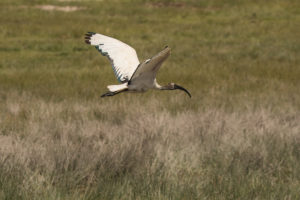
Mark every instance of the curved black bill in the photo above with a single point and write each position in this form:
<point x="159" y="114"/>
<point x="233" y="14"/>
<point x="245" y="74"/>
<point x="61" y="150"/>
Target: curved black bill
<point x="181" y="88"/>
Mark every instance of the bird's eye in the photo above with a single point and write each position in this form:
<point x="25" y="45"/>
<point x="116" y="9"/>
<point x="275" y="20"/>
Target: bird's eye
<point x="147" y="61"/>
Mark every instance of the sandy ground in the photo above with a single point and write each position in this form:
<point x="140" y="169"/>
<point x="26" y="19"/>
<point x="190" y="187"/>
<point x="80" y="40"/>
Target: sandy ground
<point x="55" y="8"/>
<point x="59" y="8"/>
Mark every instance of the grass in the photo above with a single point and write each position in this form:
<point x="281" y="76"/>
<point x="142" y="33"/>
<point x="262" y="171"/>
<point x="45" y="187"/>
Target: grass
<point x="237" y="138"/>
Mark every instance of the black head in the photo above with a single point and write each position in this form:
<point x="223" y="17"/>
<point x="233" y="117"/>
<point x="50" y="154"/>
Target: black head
<point x="173" y="86"/>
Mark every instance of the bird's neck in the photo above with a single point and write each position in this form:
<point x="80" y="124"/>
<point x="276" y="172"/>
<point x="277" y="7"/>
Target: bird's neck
<point x="164" y="87"/>
<point x="157" y="86"/>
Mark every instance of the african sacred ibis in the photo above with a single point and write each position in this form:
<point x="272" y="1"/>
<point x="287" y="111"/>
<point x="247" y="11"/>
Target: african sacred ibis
<point x="134" y="76"/>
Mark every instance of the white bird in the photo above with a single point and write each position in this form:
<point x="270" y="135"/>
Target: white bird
<point x="134" y="76"/>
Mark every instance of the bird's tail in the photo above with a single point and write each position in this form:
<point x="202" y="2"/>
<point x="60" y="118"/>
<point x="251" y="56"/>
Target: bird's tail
<point x="117" y="88"/>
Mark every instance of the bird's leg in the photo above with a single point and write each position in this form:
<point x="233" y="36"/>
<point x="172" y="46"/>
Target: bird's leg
<point x="108" y="94"/>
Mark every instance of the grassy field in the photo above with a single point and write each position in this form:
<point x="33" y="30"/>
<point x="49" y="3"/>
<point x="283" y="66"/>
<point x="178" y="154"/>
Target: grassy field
<point x="238" y="137"/>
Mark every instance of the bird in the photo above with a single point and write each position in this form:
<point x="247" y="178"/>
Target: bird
<point x="133" y="75"/>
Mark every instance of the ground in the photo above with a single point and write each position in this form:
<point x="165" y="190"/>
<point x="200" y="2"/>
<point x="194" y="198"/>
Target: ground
<point x="238" y="137"/>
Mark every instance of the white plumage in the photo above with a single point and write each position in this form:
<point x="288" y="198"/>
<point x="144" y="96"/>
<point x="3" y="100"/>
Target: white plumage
<point x="123" y="57"/>
<point x="133" y="75"/>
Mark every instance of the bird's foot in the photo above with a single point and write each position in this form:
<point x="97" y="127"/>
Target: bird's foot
<point x="108" y="94"/>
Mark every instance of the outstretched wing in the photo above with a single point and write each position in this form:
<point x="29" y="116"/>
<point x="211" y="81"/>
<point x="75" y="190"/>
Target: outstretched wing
<point x="149" y="68"/>
<point x="123" y="57"/>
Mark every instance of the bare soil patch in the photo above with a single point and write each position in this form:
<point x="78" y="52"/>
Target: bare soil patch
<point x="59" y="8"/>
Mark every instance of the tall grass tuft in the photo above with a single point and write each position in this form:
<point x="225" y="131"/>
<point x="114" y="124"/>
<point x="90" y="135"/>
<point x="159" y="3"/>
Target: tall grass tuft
<point x="65" y="150"/>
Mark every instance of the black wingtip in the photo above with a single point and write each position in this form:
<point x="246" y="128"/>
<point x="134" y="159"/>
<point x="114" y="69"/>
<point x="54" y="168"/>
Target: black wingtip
<point x="89" y="34"/>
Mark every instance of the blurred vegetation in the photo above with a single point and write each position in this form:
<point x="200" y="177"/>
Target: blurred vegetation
<point x="240" y="60"/>
<point x="236" y="49"/>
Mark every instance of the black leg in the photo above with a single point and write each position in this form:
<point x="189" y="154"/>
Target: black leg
<point x="108" y="94"/>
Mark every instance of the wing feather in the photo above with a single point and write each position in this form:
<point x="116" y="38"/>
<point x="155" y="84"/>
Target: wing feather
<point x="123" y="57"/>
<point x="149" y="67"/>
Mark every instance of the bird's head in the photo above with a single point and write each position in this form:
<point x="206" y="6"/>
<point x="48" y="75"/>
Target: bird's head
<point x="173" y="86"/>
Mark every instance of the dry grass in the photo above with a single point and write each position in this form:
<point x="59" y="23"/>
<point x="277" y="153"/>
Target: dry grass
<point x="83" y="150"/>
<point x="238" y="137"/>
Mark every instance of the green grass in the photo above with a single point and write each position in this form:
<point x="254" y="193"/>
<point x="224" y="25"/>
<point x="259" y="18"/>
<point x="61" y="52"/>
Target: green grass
<point x="236" y="138"/>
